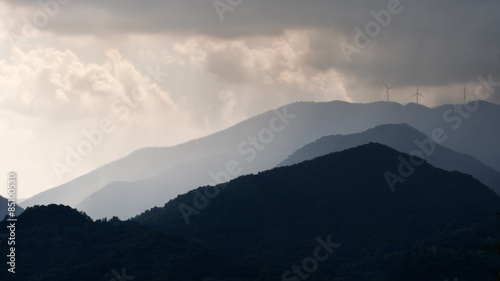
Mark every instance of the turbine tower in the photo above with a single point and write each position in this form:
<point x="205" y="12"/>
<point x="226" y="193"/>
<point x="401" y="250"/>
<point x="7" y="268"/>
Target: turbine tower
<point x="465" y="94"/>
<point x="387" y="89"/>
<point x="417" y="94"/>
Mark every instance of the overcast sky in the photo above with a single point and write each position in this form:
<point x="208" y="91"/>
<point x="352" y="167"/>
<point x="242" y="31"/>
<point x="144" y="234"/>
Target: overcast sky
<point x="158" y="73"/>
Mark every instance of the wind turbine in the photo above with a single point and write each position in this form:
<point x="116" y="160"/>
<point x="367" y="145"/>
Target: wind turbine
<point x="417" y="94"/>
<point x="388" y="88"/>
<point x="465" y="94"/>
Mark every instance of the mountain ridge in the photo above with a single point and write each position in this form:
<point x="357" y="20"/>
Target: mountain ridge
<point x="278" y="214"/>
<point x="312" y="121"/>
<point x="404" y="138"/>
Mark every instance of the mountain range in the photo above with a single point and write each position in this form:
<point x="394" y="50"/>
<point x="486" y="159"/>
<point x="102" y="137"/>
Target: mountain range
<point x="330" y="218"/>
<point x="151" y="176"/>
<point x="405" y="139"/>
<point x="431" y="227"/>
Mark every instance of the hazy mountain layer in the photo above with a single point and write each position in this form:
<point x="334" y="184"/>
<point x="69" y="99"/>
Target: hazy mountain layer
<point x="152" y="176"/>
<point x="405" y="139"/>
<point x="4" y="211"/>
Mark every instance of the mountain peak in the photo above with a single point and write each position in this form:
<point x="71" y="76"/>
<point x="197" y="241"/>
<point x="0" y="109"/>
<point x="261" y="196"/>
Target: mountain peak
<point x="54" y="214"/>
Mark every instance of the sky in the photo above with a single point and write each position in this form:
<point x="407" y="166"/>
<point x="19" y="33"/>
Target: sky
<point x="83" y="83"/>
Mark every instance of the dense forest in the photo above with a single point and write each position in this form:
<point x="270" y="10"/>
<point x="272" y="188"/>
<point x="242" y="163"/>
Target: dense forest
<point x="330" y="218"/>
<point x="57" y="242"/>
<point x="438" y="224"/>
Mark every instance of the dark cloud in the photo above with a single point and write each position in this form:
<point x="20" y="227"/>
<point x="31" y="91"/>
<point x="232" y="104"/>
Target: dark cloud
<point x="433" y="42"/>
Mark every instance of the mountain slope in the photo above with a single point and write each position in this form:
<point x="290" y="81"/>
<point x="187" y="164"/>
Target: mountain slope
<point x="4" y="208"/>
<point x="405" y="139"/>
<point x="336" y="116"/>
<point x="436" y="223"/>
<point x="257" y="144"/>
<point x="57" y="243"/>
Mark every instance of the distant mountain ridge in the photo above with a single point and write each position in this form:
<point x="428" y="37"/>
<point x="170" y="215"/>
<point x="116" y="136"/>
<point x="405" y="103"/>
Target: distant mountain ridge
<point x="152" y="176"/>
<point x="404" y="138"/>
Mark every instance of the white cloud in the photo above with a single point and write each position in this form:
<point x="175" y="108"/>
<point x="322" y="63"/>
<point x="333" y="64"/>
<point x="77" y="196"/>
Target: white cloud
<point x="50" y="83"/>
<point x="77" y="70"/>
<point x="263" y="64"/>
<point x="49" y="97"/>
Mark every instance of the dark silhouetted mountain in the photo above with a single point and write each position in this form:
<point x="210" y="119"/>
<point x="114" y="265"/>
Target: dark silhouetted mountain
<point x="58" y="243"/>
<point x="4" y="205"/>
<point x="150" y="176"/>
<point x="406" y="139"/>
<point x="437" y="224"/>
